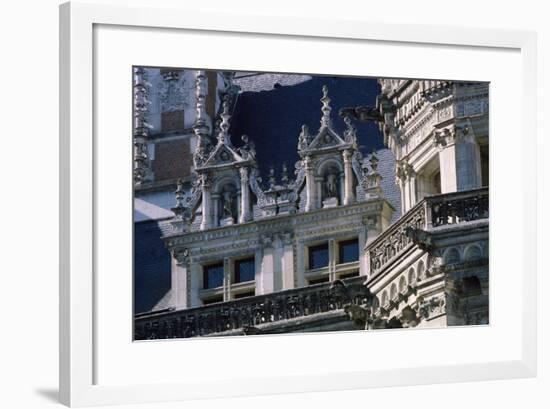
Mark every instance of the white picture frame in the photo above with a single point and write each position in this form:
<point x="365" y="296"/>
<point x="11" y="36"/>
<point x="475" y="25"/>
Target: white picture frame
<point x="78" y="290"/>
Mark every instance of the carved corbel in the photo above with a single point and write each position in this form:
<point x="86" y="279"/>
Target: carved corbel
<point x="181" y="255"/>
<point x="421" y="238"/>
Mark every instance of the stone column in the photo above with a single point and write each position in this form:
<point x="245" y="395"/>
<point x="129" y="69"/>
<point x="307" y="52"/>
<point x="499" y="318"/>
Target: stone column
<point x="180" y="269"/>
<point x="411" y="181"/>
<point x="310" y="185"/>
<point x="349" y="196"/>
<point x="402" y="189"/>
<point x="245" y="196"/>
<point x="459" y="160"/>
<point x="206" y="222"/>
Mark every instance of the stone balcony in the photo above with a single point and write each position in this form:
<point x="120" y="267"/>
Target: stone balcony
<point x="412" y="229"/>
<point x="320" y="306"/>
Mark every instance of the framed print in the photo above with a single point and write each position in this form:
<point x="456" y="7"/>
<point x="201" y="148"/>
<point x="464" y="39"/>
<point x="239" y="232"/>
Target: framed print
<point x="314" y="207"/>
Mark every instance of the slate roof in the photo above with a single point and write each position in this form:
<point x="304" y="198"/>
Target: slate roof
<point x="386" y="168"/>
<point x="152" y="265"/>
<point x="255" y="82"/>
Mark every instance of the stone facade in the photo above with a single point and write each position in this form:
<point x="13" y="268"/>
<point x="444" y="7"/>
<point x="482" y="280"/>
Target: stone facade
<point x="316" y="250"/>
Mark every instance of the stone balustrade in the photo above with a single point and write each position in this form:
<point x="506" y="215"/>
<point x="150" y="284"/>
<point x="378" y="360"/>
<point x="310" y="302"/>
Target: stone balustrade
<point x="243" y="314"/>
<point x="430" y="212"/>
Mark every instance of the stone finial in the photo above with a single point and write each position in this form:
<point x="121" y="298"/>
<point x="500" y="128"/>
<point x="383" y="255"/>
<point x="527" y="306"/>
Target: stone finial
<point x="304" y="138"/>
<point x="371" y="180"/>
<point x="284" y="174"/>
<point x="200" y="85"/>
<point x="350" y="134"/>
<point x="201" y="127"/>
<point x="181" y="211"/>
<point x="224" y="125"/>
<point x="180" y="194"/>
<point x="271" y="179"/>
<point x="141" y="127"/>
<point x="373" y="161"/>
<point x="325" y="120"/>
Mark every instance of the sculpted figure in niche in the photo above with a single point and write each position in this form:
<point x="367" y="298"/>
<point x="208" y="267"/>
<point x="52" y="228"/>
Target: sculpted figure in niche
<point x="227" y="204"/>
<point x="331" y="186"/>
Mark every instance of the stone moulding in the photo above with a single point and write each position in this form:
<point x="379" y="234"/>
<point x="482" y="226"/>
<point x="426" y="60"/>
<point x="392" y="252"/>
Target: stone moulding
<point x="278" y="223"/>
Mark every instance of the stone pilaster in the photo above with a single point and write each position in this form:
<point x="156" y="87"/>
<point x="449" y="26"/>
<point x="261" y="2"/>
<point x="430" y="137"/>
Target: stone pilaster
<point x="287" y="261"/>
<point x="310" y="184"/>
<point x="180" y="270"/>
<point x="206" y="222"/>
<point x="349" y="196"/>
<point x="227" y="273"/>
<point x="459" y="159"/>
<point x="195" y="282"/>
<point x="332" y="255"/>
<point x="411" y="186"/>
<point x="268" y="266"/>
<point x="362" y="241"/>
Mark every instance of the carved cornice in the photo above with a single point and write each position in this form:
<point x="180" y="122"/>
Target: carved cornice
<point x="280" y="223"/>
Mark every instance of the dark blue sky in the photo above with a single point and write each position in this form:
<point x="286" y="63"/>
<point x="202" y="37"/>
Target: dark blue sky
<point x="273" y="119"/>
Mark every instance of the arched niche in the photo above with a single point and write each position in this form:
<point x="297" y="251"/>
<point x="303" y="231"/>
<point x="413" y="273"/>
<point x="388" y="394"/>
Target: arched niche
<point x="329" y="176"/>
<point x="411" y="276"/>
<point x="226" y="199"/>
<point x="472" y="252"/>
<point x="402" y="284"/>
<point x="393" y="292"/>
<point x="451" y="256"/>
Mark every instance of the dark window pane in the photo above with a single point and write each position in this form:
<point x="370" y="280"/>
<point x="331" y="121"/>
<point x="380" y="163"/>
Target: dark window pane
<point x="349" y="275"/>
<point x="213" y="300"/>
<point x="244" y="295"/>
<point x="213" y="276"/>
<point x="318" y="280"/>
<point x="349" y="251"/>
<point x="245" y="270"/>
<point x="318" y="256"/>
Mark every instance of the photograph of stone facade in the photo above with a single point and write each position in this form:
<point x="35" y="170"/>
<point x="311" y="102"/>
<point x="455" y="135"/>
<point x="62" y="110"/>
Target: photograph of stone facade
<point x="270" y="203"/>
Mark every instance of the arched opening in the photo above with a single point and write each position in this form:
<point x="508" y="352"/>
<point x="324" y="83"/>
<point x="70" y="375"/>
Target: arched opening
<point x="393" y="292"/>
<point x="384" y="300"/>
<point x="420" y="269"/>
<point x="452" y="256"/>
<point x="412" y="276"/>
<point x="402" y="285"/>
<point x="471" y="286"/>
<point x="472" y="253"/>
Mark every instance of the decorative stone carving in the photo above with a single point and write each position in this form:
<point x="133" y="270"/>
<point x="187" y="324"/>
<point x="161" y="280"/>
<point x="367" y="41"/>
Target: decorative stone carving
<point x="432" y="307"/>
<point x="173" y="91"/>
<point x="248" y="150"/>
<point x="420" y="237"/>
<point x="141" y="126"/>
